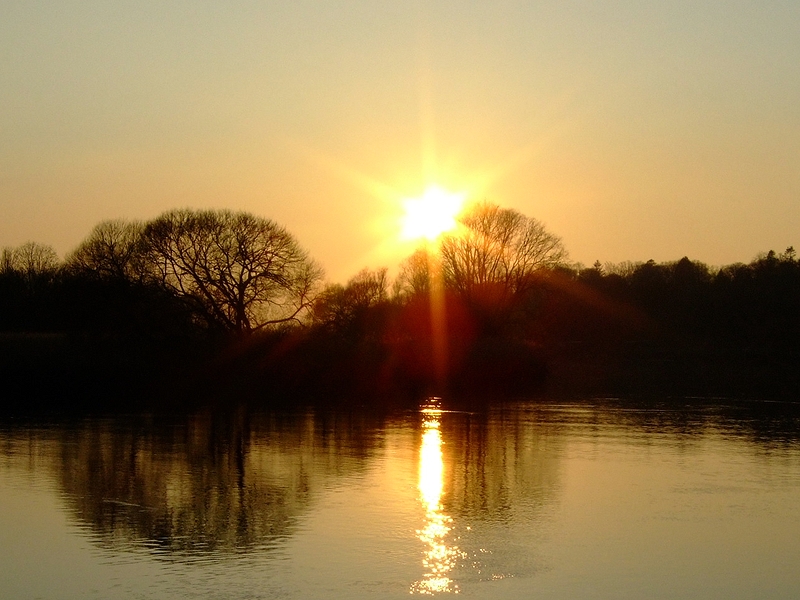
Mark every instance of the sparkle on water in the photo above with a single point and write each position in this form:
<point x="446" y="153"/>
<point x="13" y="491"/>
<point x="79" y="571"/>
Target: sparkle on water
<point x="439" y="558"/>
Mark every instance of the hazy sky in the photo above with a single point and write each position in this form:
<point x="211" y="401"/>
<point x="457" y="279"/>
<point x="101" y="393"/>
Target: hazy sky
<point x="634" y="130"/>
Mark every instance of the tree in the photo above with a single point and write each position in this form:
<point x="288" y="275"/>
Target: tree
<point x="7" y="261"/>
<point x="31" y="259"/>
<point x="344" y="306"/>
<point x="113" y="250"/>
<point x="498" y="254"/>
<point x="243" y="272"/>
<point x="415" y="277"/>
<point x="28" y="274"/>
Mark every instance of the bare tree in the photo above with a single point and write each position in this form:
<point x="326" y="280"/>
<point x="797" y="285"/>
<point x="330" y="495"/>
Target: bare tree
<point x="31" y="259"/>
<point x="7" y="260"/>
<point x="415" y="277"/>
<point x="341" y="305"/>
<point x="244" y="272"/>
<point x="113" y="250"/>
<point x="368" y="288"/>
<point x="498" y="253"/>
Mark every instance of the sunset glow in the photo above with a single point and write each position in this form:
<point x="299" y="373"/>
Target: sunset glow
<point x="432" y="214"/>
<point x="352" y="300"/>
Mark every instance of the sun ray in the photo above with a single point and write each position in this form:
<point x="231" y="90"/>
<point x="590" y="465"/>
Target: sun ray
<point x="345" y="172"/>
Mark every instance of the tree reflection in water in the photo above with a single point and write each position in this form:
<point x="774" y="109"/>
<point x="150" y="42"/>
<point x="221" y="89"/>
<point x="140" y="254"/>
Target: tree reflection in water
<point x="208" y="483"/>
<point x="470" y="487"/>
<point x="440" y="557"/>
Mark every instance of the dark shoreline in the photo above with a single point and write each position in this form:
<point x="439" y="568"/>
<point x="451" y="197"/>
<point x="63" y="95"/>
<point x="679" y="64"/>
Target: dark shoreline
<point x="51" y="371"/>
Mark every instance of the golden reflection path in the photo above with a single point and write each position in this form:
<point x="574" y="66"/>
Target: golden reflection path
<point x="439" y="558"/>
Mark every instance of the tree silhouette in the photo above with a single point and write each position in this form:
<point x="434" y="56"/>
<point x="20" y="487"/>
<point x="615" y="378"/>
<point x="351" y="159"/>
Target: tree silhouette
<point x="415" y="277"/>
<point x="113" y="250"/>
<point x="344" y="306"/>
<point x="31" y="260"/>
<point x="243" y="272"/>
<point x="498" y="254"/>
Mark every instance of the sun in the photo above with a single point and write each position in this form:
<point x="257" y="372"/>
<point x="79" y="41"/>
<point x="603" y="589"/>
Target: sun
<point x="432" y="214"/>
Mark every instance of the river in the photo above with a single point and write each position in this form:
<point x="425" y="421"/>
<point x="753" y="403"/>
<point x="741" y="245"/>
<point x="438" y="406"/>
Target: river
<point x="592" y="498"/>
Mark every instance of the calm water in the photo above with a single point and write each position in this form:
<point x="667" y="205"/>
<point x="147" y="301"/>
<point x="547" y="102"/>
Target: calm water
<point x="594" y="499"/>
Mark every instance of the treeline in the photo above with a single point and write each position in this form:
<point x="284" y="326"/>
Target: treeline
<point x="681" y="327"/>
<point x="753" y="307"/>
<point x="137" y="305"/>
<point x="230" y="304"/>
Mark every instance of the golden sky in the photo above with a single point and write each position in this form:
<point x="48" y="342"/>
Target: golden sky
<point x="634" y="130"/>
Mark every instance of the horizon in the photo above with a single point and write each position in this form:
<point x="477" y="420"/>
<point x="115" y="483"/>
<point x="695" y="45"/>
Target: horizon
<point x="427" y="235"/>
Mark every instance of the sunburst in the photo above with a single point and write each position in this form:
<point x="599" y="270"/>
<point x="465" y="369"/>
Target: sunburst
<point x="430" y="215"/>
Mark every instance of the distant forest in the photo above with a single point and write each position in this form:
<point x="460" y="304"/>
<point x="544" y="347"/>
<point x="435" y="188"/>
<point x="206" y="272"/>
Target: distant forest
<point x="229" y="305"/>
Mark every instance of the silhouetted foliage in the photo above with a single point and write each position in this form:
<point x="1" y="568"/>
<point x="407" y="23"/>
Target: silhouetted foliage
<point x="494" y="265"/>
<point x="497" y="256"/>
<point x="28" y="274"/>
<point x="345" y="307"/>
<point x="415" y="277"/>
<point x="242" y="272"/>
<point x="113" y="250"/>
<point x="31" y="260"/>
<point x="122" y="309"/>
<point x="140" y="302"/>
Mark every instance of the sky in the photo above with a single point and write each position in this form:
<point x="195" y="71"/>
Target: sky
<point x="633" y="130"/>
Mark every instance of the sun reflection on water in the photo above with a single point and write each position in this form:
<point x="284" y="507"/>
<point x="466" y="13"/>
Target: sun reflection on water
<point x="440" y="557"/>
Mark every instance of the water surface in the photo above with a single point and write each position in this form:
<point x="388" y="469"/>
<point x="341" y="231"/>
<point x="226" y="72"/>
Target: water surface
<point x="600" y="498"/>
